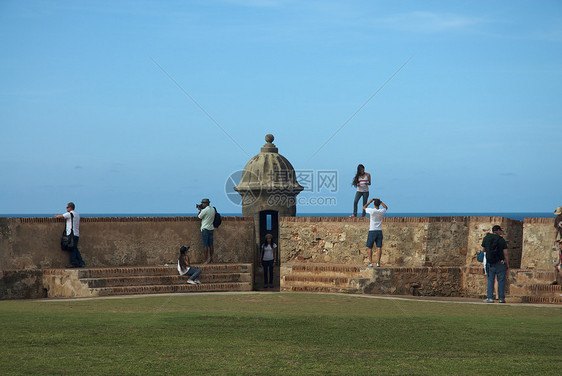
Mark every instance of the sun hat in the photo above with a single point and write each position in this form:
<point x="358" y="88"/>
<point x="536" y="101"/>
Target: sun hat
<point x="558" y="210"/>
<point x="205" y="201"/>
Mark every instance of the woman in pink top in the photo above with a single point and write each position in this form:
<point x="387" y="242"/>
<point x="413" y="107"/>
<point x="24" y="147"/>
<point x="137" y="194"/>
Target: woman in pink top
<point x="361" y="181"/>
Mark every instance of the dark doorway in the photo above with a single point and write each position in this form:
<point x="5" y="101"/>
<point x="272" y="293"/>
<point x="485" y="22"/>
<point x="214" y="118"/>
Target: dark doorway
<point x="269" y="224"/>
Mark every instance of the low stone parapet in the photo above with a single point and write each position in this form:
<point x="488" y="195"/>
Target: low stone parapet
<point x="22" y="284"/>
<point x="421" y="281"/>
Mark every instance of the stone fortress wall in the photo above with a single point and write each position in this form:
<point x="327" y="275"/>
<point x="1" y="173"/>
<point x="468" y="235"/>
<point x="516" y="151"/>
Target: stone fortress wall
<point x="29" y="245"/>
<point x="408" y="242"/>
<point x="34" y="243"/>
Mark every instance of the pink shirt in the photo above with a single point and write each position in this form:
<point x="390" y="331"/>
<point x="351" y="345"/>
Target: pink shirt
<point x="362" y="184"/>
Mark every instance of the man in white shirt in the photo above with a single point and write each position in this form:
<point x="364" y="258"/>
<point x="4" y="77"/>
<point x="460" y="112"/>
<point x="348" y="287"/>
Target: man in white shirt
<point x="73" y="224"/>
<point x="375" y="228"/>
<point x="207" y="216"/>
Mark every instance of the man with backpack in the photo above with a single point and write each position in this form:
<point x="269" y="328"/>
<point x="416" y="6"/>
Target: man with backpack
<point x="497" y="263"/>
<point x="207" y="215"/>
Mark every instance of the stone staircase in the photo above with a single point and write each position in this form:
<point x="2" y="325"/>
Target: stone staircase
<point x="320" y="278"/>
<point x="67" y="283"/>
<point x="524" y="286"/>
<point x="533" y="286"/>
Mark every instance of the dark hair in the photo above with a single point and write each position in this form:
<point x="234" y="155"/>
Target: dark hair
<point x="360" y="172"/>
<point x="377" y="202"/>
<point x="181" y="260"/>
<point x="71" y="204"/>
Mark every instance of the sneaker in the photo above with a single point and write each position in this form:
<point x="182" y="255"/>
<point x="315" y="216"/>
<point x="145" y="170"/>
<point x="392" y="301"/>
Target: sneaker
<point x="554" y="283"/>
<point x="501" y="301"/>
<point x="378" y="265"/>
<point x="198" y="282"/>
<point x="352" y="215"/>
<point x="191" y="282"/>
<point x="488" y="300"/>
<point x="369" y="265"/>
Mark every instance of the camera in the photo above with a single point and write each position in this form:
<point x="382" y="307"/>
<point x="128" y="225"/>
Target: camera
<point x="199" y="206"/>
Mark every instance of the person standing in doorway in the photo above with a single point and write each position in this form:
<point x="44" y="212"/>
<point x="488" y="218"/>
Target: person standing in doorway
<point x="497" y="263"/>
<point x="361" y="181"/>
<point x="375" y="228"/>
<point x="268" y="257"/>
<point x="73" y="225"/>
<point x="207" y="216"/>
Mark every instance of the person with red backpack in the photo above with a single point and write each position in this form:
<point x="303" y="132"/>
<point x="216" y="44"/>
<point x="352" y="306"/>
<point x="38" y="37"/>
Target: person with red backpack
<point x="497" y="263"/>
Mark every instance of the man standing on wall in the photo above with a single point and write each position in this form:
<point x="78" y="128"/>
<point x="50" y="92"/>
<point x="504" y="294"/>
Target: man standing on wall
<point x="497" y="263"/>
<point x="558" y="225"/>
<point x="73" y="224"/>
<point x="207" y="216"/>
<point x="375" y="228"/>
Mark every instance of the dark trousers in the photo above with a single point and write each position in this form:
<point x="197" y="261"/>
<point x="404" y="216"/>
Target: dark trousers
<point x="496" y="270"/>
<point x="193" y="273"/>
<point x="267" y="269"/>
<point x="75" y="256"/>
<point x="358" y="195"/>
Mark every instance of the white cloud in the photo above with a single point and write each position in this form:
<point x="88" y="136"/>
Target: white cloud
<point x="255" y="3"/>
<point x="430" y="22"/>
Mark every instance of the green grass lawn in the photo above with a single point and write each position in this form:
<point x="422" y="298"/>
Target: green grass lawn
<point x="274" y="334"/>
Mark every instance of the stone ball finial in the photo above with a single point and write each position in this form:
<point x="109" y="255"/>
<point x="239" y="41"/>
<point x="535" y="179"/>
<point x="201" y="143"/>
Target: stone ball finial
<point x="269" y="138"/>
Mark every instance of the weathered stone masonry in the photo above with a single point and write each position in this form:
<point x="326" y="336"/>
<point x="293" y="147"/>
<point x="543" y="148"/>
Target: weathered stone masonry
<point x="441" y="250"/>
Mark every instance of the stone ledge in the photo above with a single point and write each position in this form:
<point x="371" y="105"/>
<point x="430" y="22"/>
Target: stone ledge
<point x="160" y="289"/>
<point x="123" y="219"/>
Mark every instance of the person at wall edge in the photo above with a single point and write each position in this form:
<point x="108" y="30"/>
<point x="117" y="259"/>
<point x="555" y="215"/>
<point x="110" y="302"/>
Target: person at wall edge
<point x="558" y="225"/>
<point x="375" y="228"/>
<point x="361" y="181"/>
<point x="73" y="224"/>
<point x="497" y="263"/>
<point x="558" y="265"/>
<point x="207" y="216"/>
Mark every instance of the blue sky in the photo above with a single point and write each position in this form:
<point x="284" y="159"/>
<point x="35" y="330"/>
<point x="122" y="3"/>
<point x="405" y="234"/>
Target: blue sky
<point x="149" y="106"/>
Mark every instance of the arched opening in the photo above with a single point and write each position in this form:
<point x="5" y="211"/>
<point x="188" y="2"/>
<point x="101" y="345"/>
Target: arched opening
<point x="268" y="224"/>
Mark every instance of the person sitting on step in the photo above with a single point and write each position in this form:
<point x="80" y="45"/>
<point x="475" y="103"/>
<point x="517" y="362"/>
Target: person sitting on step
<point x="185" y="268"/>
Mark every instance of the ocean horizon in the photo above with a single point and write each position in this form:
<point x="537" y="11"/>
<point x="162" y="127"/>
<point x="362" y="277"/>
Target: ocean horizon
<point x="512" y="215"/>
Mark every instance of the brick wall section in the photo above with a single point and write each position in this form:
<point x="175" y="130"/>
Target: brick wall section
<point x="538" y="250"/>
<point x="437" y="241"/>
<point x="32" y="243"/>
<point x="22" y="284"/>
<point x="480" y="226"/>
<point x="408" y="241"/>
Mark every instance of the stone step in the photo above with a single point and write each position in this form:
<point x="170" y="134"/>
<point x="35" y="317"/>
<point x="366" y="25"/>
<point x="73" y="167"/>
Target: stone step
<point x="530" y="276"/>
<point x="316" y="288"/>
<point x="167" y="289"/>
<point x="65" y="283"/>
<point x="541" y="299"/>
<point x="163" y="279"/>
<point x="536" y="289"/>
<point x="521" y="276"/>
<point x="161" y="270"/>
<point x="325" y="269"/>
<point x="304" y="280"/>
